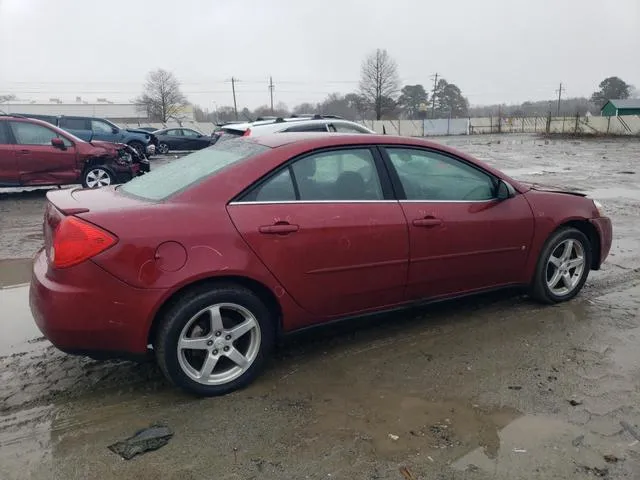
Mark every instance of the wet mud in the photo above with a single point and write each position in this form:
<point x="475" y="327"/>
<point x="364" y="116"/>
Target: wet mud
<point x="494" y="387"/>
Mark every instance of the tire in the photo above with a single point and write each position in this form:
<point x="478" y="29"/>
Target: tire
<point x="190" y="320"/>
<point x="139" y="147"/>
<point x="96" y="177"/>
<point x="163" y="148"/>
<point x="549" y="284"/>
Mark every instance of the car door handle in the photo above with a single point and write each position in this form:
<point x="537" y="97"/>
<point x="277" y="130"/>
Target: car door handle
<point x="427" y="222"/>
<point x="279" y="228"/>
<point x="24" y="152"/>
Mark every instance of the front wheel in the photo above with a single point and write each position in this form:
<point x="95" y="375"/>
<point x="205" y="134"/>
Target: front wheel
<point x="215" y="340"/>
<point x="163" y="148"/>
<point x="96" y="177"/>
<point x="139" y="147"/>
<point x="563" y="266"/>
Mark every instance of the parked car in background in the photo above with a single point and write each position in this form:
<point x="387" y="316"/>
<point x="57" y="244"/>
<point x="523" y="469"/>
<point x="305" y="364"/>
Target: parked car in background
<point x="93" y="128"/>
<point x="315" y="123"/>
<point x="180" y="138"/>
<point x="147" y="129"/>
<point x="211" y="257"/>
<point x="36" y="153"/>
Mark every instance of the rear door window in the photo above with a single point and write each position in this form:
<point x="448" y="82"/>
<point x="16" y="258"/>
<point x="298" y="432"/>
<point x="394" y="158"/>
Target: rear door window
<point x="4" y="135"/>
<point x="178" y="175"/>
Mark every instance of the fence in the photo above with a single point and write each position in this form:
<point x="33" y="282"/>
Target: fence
<point x="623" y="125"/>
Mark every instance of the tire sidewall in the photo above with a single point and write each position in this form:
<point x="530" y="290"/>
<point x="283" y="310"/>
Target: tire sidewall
<point x="97" y="167"/>
<point x="541" y="270"/>
<point x="177" y="317"/>
<point x="165" y="150"/>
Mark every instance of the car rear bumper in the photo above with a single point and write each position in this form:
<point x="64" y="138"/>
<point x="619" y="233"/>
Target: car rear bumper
<point x="605" y="231"/>
<point x="85" y="310"/>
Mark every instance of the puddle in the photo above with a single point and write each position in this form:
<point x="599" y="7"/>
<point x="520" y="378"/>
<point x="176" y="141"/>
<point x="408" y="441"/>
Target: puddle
<point x="16" y="321"/>
<point x="14" y="271"/>
<point x="515" y="172"/>
<point x="536" y="446"/>
<point x="616" y="192"/>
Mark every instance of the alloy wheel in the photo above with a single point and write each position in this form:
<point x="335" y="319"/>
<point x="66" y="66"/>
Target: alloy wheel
<point x="219" y="344"/>
<point x="97" y="177"/>
<point x="565" y="267"/>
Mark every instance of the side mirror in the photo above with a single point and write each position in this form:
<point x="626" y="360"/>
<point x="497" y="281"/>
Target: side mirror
<point x="505" y="191"/>
<point x="114" y="130"/>
<point x="58" y="143"/>
<point x="199" y="135"/>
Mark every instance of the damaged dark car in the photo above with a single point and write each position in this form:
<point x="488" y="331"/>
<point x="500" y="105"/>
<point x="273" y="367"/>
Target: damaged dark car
<point x="35" y="153"/>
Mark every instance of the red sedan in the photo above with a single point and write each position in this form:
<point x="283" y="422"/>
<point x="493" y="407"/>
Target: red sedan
<point x="207" y="260"/>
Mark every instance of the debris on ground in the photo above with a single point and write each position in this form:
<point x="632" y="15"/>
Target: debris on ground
<point x="519" y="450"/>
<point x="595" y="471"/>
<point x="574" y="403"/>
<point x="610" y="458"/>
<point x="576" y="442"/>
<point x="515" y="387"/>
<point x="393" y="437"/>
<point x="145" y="440"/>
<point x="407" y="475"/>
<point x="630" y="429"/>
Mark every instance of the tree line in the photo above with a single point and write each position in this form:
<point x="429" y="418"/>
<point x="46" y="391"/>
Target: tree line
<point x="379" y="96"/>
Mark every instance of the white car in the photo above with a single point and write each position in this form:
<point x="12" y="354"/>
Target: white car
<point x="316" y="123"/>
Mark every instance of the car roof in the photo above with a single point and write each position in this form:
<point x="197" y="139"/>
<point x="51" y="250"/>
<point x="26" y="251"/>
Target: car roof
<point x="322" y="139"/>
<point x="280" y="121"/>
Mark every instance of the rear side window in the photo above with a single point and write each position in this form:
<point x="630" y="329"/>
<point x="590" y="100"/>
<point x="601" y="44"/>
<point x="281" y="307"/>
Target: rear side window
<point x="319" y="127"/>
<point x="74" y="123"/>
<point x="348" y="128"/>
<point x="173" y="177"/>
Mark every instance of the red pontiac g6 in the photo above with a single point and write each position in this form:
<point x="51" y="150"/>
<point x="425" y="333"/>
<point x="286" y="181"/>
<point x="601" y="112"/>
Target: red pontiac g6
<point x="209" y="259"/>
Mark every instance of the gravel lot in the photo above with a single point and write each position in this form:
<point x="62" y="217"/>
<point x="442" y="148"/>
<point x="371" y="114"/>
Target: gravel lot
<point x="494" y="387"/>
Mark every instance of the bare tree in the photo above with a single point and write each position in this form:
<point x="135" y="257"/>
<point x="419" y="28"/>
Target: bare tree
<point x="379" y="82"/>
<point x="7" y="98"/>
<point x="162" y="98"/>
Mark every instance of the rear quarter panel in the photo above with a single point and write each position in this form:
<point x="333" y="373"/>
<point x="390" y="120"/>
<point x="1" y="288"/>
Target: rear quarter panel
<point x="170" y="246"/>
<point x="551" y="211"/>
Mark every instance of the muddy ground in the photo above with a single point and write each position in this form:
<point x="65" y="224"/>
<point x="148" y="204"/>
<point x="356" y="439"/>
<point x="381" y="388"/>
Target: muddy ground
<point x="495" y="387"/>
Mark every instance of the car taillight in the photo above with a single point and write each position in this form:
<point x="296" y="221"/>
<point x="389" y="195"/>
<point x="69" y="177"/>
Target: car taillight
<point x="247" y="132"/>
<point x="75" y="241"/>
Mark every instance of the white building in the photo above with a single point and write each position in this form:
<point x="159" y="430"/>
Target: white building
<point x="117" y="112"/>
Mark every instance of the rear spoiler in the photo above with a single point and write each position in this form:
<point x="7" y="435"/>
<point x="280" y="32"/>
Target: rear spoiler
<point x="63" y="200"/>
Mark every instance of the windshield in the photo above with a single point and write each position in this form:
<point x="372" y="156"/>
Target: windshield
<point x="178" y="175"/>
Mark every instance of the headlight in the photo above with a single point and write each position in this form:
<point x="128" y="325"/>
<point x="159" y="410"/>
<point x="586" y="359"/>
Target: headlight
<point x="599" y="208"/>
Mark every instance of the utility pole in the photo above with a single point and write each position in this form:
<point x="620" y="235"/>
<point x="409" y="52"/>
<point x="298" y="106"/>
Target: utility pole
<point x="559" y="97"/>
<point x="433" y="95"/>
<point x="271" y="87"/>
<point x="233" y="89"/>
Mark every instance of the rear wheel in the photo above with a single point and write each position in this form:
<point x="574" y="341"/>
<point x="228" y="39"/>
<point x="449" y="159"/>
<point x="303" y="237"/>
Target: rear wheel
<point x="563" y="266"/>
<point x="96" y="177"/>
<point x="215" y="339"/>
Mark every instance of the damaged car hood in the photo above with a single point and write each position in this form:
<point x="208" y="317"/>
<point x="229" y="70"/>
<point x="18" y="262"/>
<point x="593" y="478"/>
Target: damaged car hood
<point x="551" y="188"/>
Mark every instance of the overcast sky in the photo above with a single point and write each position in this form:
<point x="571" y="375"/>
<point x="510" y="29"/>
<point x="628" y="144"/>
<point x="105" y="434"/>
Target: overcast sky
<point x="494" y="50"/>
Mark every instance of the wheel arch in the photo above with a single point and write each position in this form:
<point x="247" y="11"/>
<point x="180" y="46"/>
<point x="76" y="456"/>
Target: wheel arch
<point x="591" y="233"/>
<point x="262" y="291"/>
